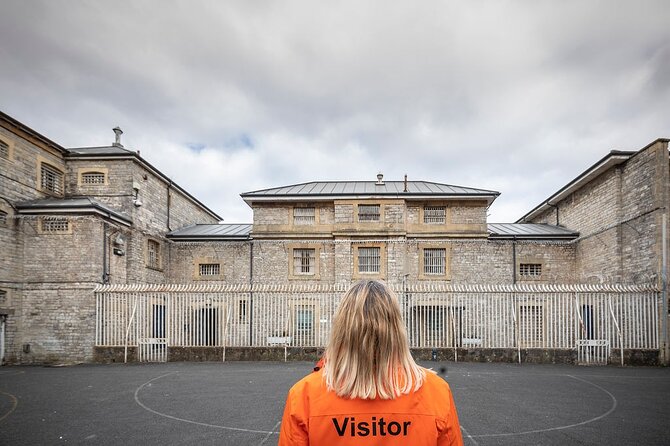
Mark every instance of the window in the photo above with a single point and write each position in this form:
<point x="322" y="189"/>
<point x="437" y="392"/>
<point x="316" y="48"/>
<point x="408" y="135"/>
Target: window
<point x="304" y="261"/>
<point x="531" y="330"/>
<point x="3" y="296"/>
<point x="368" y="212"/>
<point x="153" y="254"/>
<point x="55" y="225"/>
<point x="51" y="179"/>
<point x="369" y="260"/>
<point x="435" y="261"/>
<point x="209" y="269"/>
<point x="588" y="321"/>
<point x="158" y="330"/>
<point x="530" y="269"/>
<point x="303" y="216"/>
<point x="93" y="178"/>
<point x="434" y="214"/>
<point x="242" y="311"/>
<point x="3" y="218"/>
<point x="304" y="324"/>
<point x="4" y="149"/>
<point x="435" y="326"/>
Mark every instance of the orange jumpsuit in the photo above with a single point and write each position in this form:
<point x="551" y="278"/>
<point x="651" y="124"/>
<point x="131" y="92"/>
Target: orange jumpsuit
<point x="314" y="416"/>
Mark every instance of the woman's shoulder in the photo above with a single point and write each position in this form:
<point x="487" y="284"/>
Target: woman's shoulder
<point x="312" y="382"/>
<point x="434" y="382"/>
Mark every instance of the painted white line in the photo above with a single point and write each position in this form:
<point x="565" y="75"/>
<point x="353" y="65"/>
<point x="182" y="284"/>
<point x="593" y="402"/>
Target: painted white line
<point x="15" y="402"/>
<point x="184" y="420"/>
<point x="269" y="434"/>
<point x="569" y="426"/>
<point x="468" y="436"/>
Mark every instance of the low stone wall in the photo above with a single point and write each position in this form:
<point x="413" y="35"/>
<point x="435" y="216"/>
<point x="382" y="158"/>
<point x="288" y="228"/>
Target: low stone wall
<point x="108" y="355"/>
<point x="531" y="356"/>
<point x="528" y="356"/>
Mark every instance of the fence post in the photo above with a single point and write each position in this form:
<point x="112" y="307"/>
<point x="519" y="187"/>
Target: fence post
<point x="130" y="322"/>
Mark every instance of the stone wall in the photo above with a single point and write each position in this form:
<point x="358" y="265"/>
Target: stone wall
<point x="468" y="261"/>
<point x="233" y="257"/>
<point x="618" y="215"/>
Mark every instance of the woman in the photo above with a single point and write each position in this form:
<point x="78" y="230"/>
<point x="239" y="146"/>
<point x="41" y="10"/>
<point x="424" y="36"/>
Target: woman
<point x="370" y="390"/>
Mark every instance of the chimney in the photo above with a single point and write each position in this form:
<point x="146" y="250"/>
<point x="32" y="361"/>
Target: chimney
<point x="405" y="190"/>
<point x="380" y="179"/>
<point x="117" y="132"/>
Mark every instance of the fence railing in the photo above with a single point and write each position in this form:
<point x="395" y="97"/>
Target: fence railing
<point x="436" y="315"/>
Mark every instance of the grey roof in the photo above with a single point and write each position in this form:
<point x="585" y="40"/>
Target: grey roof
<point x="106" y="150"/>
<point x="220" y="231"/>
<point x="529" y="231"/>
<point x="75" y="205"/>
<point x="331" y="189"/>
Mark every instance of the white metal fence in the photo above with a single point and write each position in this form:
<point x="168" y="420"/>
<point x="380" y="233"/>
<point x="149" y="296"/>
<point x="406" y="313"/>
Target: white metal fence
<point x="436" y="316"/>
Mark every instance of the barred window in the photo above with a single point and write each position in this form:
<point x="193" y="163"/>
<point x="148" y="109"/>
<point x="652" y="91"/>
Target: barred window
<point x="304" y="261"/>
<point x="531" y="331"/>
<point x="434" y="214"/>
<point x="153" y="254"/>
<point x="51" y="179"/>
<point x="55" y="225"/>
<point x="209" y="269"/>
<point x="4" y="149"/>
<point x="530" y="269"/>
<point x="368" y="212"/>
<point x="303" y="216"/>
<point x="3" y="296"/>
<point x="435" y="261"/>
<point x="93" y="178"/>
<point x="3" y="218"/>
<point x="369" y="260"/>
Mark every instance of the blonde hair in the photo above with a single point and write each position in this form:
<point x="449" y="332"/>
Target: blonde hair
<point x="368" y="355"/>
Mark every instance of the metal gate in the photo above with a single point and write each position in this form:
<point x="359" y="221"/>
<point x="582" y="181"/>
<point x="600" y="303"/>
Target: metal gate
<point x="593" y="351"/>
<point x="152" y="350"/>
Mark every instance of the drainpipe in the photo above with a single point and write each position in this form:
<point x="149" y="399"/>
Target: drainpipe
<point x="105" y="263"/>
<point x="168" y="205"/>
<point x="555" y="206"/>
<point x="514" y="260"/>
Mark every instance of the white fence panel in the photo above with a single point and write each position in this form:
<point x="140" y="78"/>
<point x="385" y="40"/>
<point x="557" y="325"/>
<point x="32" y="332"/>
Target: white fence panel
<point x="436" y="316"/>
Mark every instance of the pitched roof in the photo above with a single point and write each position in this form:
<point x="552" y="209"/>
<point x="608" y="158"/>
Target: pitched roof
<point x="101" y="151"/>
<point x="212" y="232"/>
<point x="76" y="205"/>
<point x="530" y="231"/>
<point x="324" y="190"/>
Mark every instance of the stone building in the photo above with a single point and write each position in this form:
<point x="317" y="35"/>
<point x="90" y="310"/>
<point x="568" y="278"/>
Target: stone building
<point x="617" y="206"/>
<point x="74" y="218"/>
<point x="71" y="219"/>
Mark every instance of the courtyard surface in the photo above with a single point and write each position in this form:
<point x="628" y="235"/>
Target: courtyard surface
<point x="241" y="403"/>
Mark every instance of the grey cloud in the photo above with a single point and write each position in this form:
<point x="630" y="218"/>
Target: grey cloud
<point x="478" y="94"/>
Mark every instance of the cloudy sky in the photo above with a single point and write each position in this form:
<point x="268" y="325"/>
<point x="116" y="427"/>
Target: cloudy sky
<point x="227" y="97"/>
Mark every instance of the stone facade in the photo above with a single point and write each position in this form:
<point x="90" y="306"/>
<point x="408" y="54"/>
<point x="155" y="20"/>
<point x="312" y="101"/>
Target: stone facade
<point x="47" y="270"/>
<point x="123" y="234"/>
<point x="619" y="217"/>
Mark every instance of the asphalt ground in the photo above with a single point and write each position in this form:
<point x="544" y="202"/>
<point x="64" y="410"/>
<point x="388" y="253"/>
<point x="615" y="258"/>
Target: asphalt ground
<point x="240" y="403"/>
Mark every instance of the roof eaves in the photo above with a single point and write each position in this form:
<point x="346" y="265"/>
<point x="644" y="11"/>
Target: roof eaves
<point x="24" y="128"/>
<point x="93" y="206"/>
